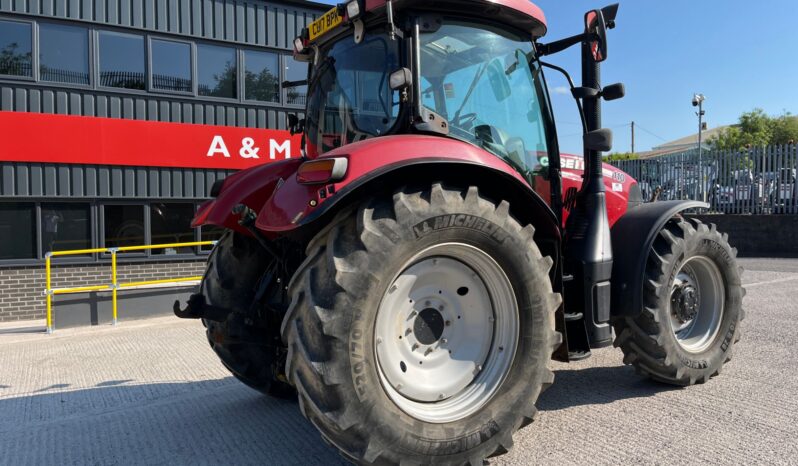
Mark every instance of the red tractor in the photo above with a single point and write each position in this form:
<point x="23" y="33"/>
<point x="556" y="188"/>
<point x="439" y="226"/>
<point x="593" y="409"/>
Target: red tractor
<point x="410" y="277"/>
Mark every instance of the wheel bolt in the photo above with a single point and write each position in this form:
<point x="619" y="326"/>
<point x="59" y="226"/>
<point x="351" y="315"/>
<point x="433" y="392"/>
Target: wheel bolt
<point x="444" y="341"/>
<point x="448" y="323"/>
<point x="440" y="308"/>
<point x="429" y="350"/>
<point x="379" y="340"/>
<point x="441" y="396"/>
<point x="414" y="347"/>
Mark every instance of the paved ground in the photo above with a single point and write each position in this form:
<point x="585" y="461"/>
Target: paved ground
<point x="153" y="393"/>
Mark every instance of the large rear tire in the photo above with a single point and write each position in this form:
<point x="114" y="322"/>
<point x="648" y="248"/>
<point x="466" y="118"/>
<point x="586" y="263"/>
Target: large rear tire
<point x="417" y="279"/>
<point x="247" y="347"/>
<point x="692" y="299"/>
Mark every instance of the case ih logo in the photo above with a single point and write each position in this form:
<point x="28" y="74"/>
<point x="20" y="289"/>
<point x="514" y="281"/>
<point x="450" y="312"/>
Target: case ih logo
<point x="114" y="141"/>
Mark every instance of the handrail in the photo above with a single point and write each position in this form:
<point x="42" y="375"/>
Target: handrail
<point x="114" y="286"/>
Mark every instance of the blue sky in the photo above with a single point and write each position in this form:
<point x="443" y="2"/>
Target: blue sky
<point x="740" y="54"/>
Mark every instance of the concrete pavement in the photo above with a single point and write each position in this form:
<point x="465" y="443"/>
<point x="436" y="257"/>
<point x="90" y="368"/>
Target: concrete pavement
<point x="152" y="392"/>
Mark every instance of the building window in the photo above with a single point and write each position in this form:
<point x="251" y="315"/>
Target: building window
<point x="16" y="58"/>
<point x="121" y="60"/>
<point x="171" y="66"/>
<point x="217" y="71"/>
<point x="18" y="230"/>
<point x="261" y="76"/>
<point x="66" y="227"/>
<point x="63" y="54"/>
<point x="295" y="71"/>
<point x="171" y="223"/>
<point x="123" y="225"/>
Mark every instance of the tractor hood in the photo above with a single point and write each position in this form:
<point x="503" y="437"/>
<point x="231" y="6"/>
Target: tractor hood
<point x="621" y="188"/>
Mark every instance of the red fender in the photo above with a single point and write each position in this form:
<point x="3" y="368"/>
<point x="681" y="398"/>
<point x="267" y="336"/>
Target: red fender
<point x="292" y="204"/>
<point x="250" y="187"/>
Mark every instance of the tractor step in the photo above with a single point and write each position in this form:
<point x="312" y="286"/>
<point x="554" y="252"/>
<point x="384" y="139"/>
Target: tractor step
<point x="572" y="317"/>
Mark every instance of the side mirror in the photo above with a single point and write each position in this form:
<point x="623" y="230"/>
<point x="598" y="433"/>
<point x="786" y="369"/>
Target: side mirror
<point x="596" y="24"/>
<point x="614" y="92"/>
<point x="599" y="140"/>
<point x="498" y="81"/>
<point x="597" y="28"/>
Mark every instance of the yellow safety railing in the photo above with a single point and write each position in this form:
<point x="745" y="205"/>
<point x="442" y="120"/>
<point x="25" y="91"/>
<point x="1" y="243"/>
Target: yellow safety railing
<point x="114" y="286"/>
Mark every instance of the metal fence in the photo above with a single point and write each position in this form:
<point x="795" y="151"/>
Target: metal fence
<point x="755" y="181"/>
<point x="114" y="286"/>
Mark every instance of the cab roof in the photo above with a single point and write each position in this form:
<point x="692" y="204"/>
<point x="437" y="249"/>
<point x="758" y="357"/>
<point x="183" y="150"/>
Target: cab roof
<point x="522" y="14"/>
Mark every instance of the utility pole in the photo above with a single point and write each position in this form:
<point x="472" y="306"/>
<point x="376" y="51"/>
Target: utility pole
<point x="633" y="138"/>
<point x="698" y="101"/>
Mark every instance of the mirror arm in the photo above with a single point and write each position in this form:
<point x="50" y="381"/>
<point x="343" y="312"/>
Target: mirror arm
<point x="558" y="46"/>
<point x="573" y="86"/>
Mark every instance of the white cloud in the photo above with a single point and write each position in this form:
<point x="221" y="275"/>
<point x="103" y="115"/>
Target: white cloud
<point x="562" y="90"/>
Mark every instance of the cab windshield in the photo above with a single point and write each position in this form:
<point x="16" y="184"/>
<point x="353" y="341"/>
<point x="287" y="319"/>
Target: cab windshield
<point x="485" y="82"/>
<point x="350" y="94"/>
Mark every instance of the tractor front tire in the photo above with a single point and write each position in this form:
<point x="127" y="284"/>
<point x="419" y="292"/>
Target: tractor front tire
<point x="246" y="347"/>
<point x="421" y="327"/>
<point x="692" y="296"/>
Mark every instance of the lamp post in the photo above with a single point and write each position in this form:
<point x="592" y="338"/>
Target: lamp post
<point x="698" y="101"/>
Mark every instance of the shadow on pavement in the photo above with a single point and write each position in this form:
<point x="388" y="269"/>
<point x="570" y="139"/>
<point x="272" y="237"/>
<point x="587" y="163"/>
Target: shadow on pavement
<point x="215" y="421"/>
<point x="119" y="422"/>
<point x="597" y="385"/>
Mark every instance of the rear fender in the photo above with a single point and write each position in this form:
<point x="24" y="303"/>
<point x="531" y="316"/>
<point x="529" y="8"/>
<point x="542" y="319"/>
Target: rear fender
<point x="378" y="163"/>
<point x="633" y="236"/>
<point x="251" y="187"/>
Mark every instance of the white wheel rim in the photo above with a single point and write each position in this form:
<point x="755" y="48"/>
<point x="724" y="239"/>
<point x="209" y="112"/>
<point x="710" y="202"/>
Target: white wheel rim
<point x="697" y="303"/>
<point x="446" y="333"/>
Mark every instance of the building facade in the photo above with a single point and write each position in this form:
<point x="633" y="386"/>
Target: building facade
<point x="116" y="118"/>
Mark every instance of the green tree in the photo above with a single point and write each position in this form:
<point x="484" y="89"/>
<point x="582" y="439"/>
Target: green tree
<point x="14" y="62"/>
<point x="757" y="129"/>
<point x="620" y="156"/>
<point x="263" y="86"/>
<point x="785" y="129"/>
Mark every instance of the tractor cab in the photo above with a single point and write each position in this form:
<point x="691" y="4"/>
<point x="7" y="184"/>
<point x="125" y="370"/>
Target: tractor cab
<point x="474" y="82"/>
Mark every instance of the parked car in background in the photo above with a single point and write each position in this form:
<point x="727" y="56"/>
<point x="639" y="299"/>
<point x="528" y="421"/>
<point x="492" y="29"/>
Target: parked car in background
<point x="782" y="190"/>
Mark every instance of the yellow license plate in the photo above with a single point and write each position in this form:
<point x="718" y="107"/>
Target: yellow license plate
<point x="323" y="25"/>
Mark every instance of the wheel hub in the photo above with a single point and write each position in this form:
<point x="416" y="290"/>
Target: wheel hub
<point x="685" y="303"/>
<point x="441" y="350"/>
<point x="428" y="326"/>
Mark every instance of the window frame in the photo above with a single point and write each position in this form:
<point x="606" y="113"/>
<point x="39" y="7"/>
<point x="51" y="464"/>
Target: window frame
<point x="242" y="51"/>
<point x="194" y="231"/>
<point x="93" y="31"/>
<point x="151" y="70"/>
<point x="145" y="206"/>
<point x="92" y="65"/>
<point x="97" y="240"/>
<point x="238" y="84"/>
<point x="97" y="71"/>
<point x="37" y="231"/>
<point x="33" y="50"/>
<point x="86" y="258"/>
